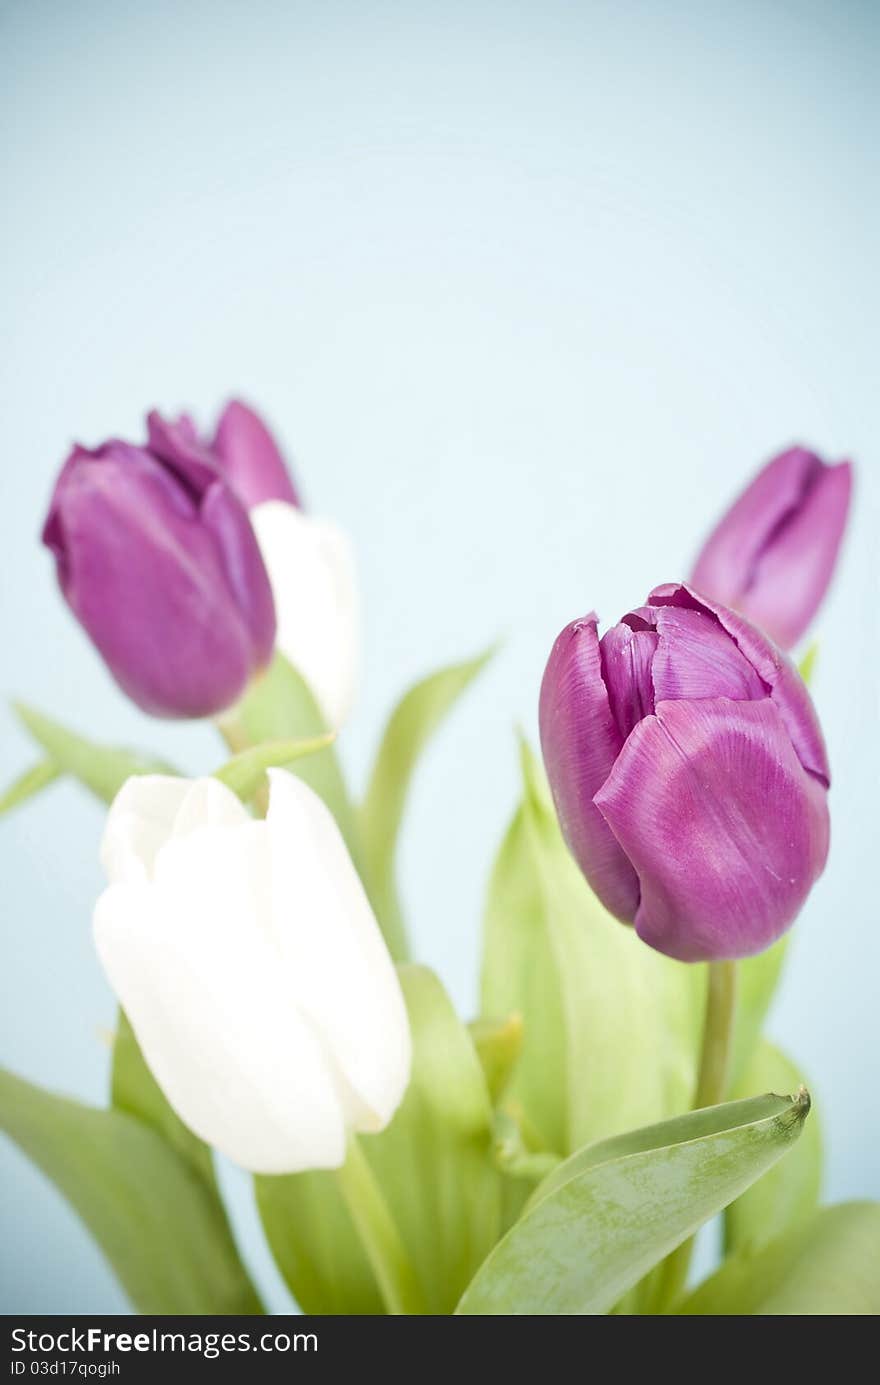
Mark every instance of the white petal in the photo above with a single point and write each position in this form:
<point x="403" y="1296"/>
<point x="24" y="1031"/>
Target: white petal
<point x="340" y="968"/>
<point x="312" y="571"/>
<point x="140" y="819"/>
<point x="208" y="803"/>
<point x="193" y="962"/>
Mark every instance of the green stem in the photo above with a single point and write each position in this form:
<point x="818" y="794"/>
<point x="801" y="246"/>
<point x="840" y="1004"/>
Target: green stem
<point x="378" y="1234"/>
<point x="711" y="1089"/>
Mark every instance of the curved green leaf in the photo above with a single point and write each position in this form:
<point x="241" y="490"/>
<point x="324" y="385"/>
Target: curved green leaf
<point x="827" y="1267"/>
<point x="163" y="1233"/>
<point x="615" y="1023"/>
<point x="245" y="772"/>
<point x="498" y="1044"/>
<point x="787" y="1194"/>
<point x="410" y="726"/>
<point x="101" y="768"/>
<point x="29" y="784"/>
<point x="433" y="1165"/>
<point x="607" y="1215"/>
<point x="757" y="979"/>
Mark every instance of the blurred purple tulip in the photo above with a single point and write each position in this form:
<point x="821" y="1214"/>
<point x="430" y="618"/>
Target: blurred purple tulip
<point x="689" y="774"/>
<point x="157" y="559"/>
<point x="248" y="457"/>
<point x="772" y="554"/>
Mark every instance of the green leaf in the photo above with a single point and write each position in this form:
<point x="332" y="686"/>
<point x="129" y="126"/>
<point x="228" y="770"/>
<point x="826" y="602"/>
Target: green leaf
<point x="607" y="1215"/>
<point x="27" y="785"/>
<point x="611" y="1027"/>
<point x="827" y="1267"/>
<point x="280" y="706"/>
<point x="245" y="772"/>
<point x="410" y="726"/>
<point x="166" y="1238"/>
<point x="498" y="1044"/>
<point x="433" y="1165"/>
<point x="788" y="1193"/>
<point x="101" y="768"/>
<point x="807" y="665"/>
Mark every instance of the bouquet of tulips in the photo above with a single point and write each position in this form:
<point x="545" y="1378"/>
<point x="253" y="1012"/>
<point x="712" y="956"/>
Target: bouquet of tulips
<point x="556" y="1154"/>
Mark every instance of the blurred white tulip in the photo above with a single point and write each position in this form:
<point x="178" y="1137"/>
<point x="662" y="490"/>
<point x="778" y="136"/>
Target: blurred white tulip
<point x="311" y="567"/>
<point x="252" y="969"/>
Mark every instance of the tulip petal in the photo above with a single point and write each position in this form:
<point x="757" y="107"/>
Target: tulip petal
<point x="192" y="958"/>
<point x="175" y="442"/>
<point x="696" y="658"/>
<point x="793" y="573"/>
<point x="311" y="568"/>
<point x="627" y="656"/>
<point x="580" y="741"/>
<point x="725" y="828"/>
<point x="243" y="567"/>
<point x="785" y="685"/>
<point x="249" y="457"/>
<point x="140" y="821"/>
<point x="325" y="929"/>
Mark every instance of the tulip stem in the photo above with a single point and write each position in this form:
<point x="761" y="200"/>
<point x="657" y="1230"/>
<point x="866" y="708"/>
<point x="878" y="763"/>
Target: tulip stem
<point x="712" y="1079"/>
<point x="378" y="1234"/>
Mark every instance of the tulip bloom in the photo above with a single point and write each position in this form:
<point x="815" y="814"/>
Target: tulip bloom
<point x="157" y="559"/>
<point x="689" y="774"/>
<point x="252" y="970"/>
<point x="310" y="563"/>
<point x="772" y="554"/>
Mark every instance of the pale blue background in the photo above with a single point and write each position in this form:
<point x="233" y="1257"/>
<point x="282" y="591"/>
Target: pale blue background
<point x="528" y="289"/>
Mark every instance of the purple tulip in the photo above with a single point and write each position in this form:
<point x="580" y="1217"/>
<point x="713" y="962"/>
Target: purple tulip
<point x="157" y="559"/>
<point x="246" y="453"/>
<point x="689" y="774"/>
<point x="773" y="553"/>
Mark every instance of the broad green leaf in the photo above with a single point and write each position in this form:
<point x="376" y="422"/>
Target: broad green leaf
<point x="166" y="1238"/>
<point x="29" y="784"/>
<point x="498" y="1044"/>
<point x="101" y="768"/>
<point x="433" y="1165"/>
<point x="607" y="1215"/>
<point x="245" y="772"/>
<point x="757" y="979"/>
<point x="611" y="1027"/>
<point x="411" y="725"/>
<point x="280" y="706"/>
<point x="789" y="1192"/>
<point x="829" y="1266"/>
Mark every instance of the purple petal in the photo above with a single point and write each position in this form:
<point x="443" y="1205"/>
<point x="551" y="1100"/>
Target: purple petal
<point x="794" y="572"/>
<point x="725" y="828"/>
<point x="772" y="554"/>
<point x="249" y="458"/>
<point x="696" y="659"/>
<point x="627" y="655"/>
<point x="176" y="444"/>
<point x="224" y="515"/>
<point x="781" y="678"/>
<point x="580" y="741"/>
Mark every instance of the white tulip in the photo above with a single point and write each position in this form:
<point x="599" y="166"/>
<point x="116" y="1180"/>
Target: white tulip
<point x="311" y="568"/>
<point x="252" y="969"/>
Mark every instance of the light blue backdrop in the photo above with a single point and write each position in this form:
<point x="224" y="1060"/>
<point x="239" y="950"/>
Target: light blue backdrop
<point x="528" y="289"/>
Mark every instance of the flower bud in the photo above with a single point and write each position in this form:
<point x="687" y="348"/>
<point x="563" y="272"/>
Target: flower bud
<point x="252" y="970"/>
<point x="772" y="555"/>
<point x="689" y="774"/>
<point x="157" y="559"/>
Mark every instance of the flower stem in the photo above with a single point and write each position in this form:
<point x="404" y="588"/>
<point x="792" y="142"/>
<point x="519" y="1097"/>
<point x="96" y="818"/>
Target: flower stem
<point x="712" y="1080"/>
<point x="378" y="1234"/>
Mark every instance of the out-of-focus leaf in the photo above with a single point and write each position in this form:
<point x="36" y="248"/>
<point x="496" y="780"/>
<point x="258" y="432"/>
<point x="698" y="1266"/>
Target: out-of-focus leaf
<point x="498" y="1044"/>
<point x="164" y="1235"/>
<point x="101" y="768"/>
<point x="411" y="725"/>
<point x="788" y="1193"/>
<point x="245" y="772"/>
<point x="603" y="1218"/>
<point x="757" y="979"/>
<point x="807" y="665"/>
<point x="29" y="784"/>
<point x="611" y="1027"/>
<point x="829" y="1266"/>
<point x="280" y="706"/>
<point x="433" y="1164"/>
